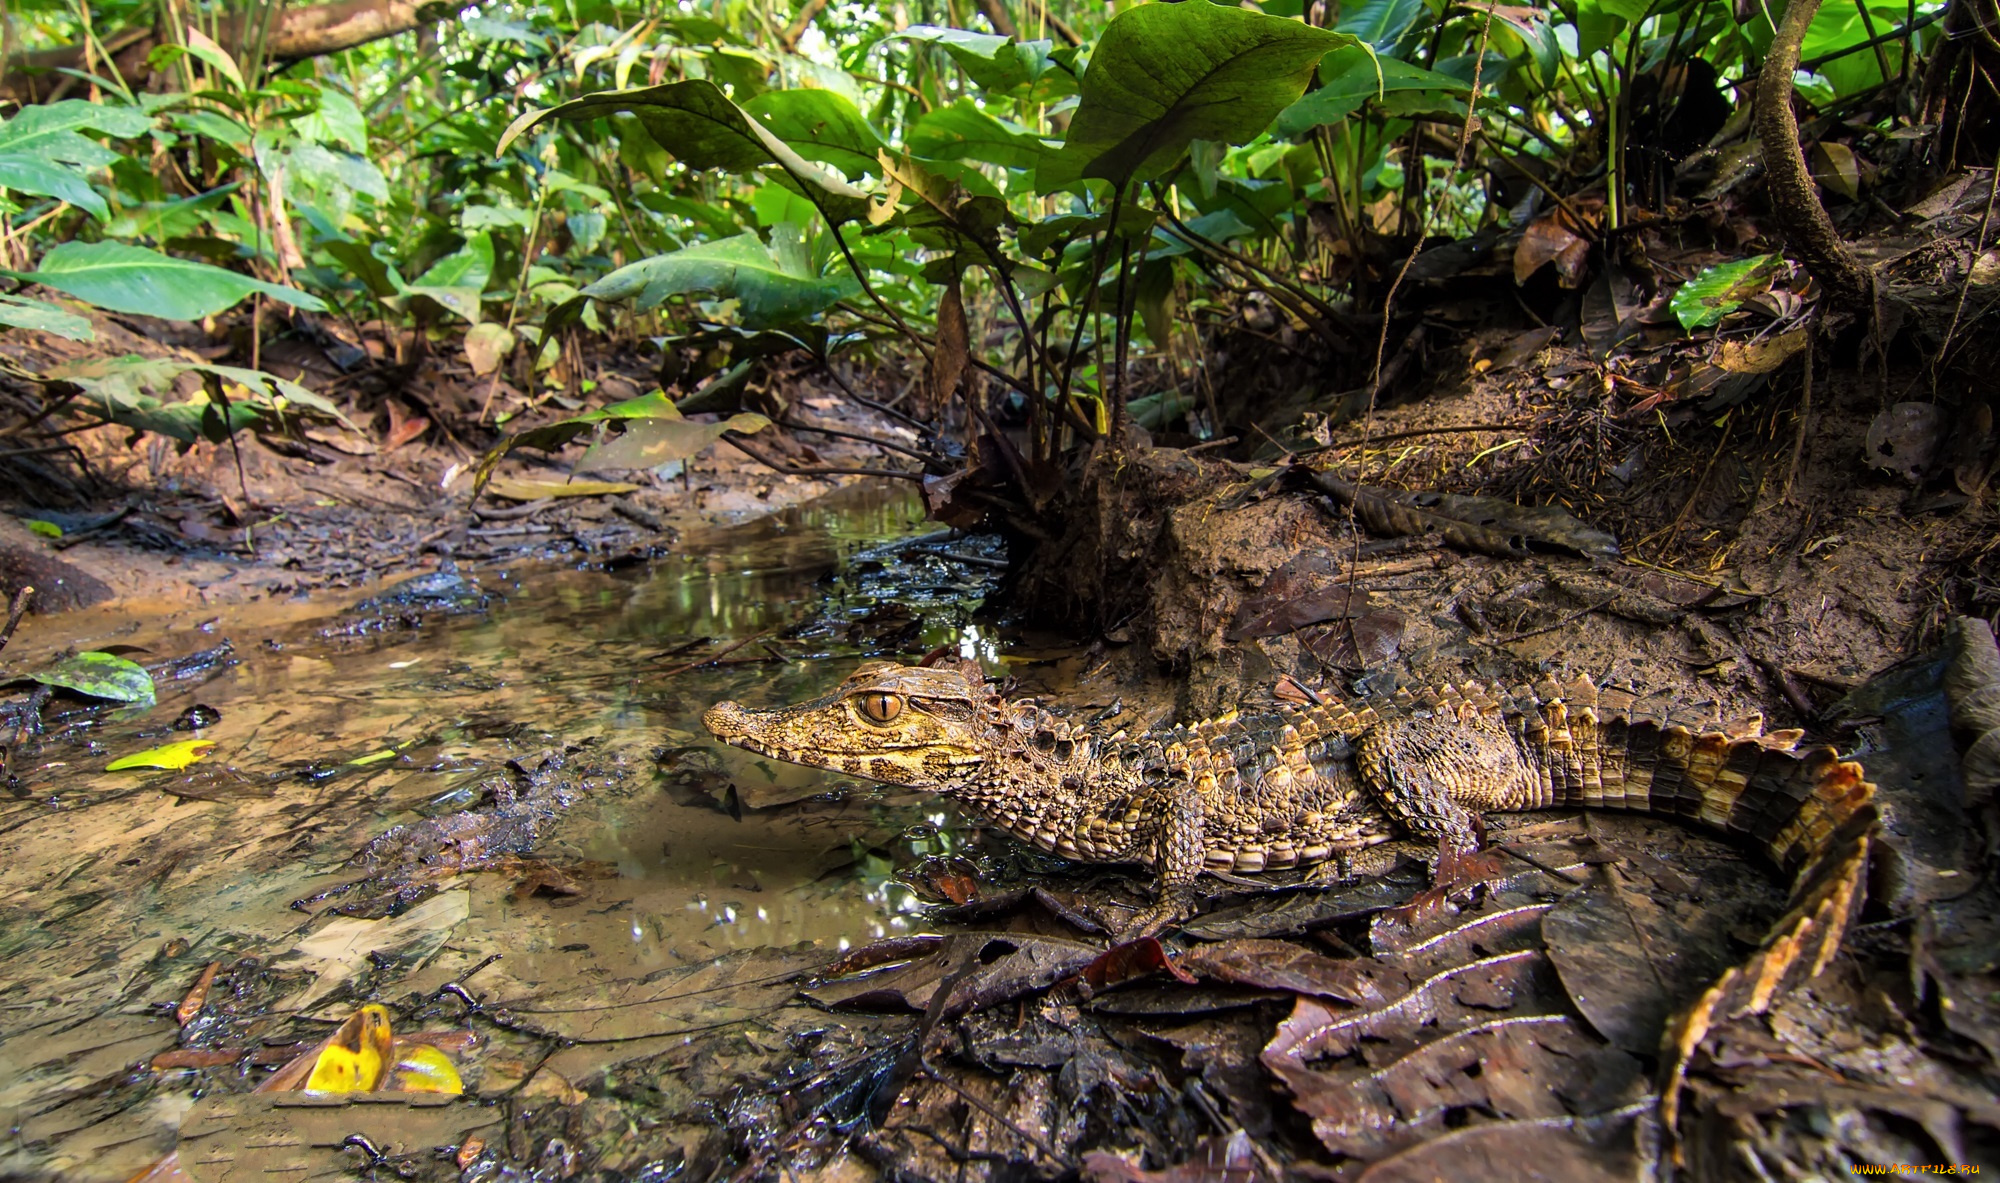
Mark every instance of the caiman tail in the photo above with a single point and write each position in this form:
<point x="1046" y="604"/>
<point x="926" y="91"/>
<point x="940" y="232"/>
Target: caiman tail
<point x="1810" y="812"/>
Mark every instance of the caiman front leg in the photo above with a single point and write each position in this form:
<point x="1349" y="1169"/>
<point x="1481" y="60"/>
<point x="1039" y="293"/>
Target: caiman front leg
<point x="1179" y="850"/>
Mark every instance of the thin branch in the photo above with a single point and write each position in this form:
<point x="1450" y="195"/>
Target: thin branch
<point x="737" y="442"/>
<point x="14" y="613"/>
<point x="927" y="459"/>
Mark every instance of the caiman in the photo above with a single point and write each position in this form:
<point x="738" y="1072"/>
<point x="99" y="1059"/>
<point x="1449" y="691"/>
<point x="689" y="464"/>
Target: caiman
<point x="1293" y="784"/>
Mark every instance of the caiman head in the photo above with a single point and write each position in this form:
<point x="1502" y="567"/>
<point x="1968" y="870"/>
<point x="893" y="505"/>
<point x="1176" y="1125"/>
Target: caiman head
<point x="921" y="727"/>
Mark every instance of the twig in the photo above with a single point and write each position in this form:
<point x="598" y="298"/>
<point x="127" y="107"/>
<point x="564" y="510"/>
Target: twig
<point x="514" y="514"/>
<point x="723" y="652"/>
<point x="1964" y="288"/>
<point x="14" y="613"/>
<point x="928" y="460"/>
<point x="1805" y="413"/>
<point x="871" y="404"/>
<point x="1537" y="864"/>
<point x="972" y="560"/>
<point x="1572" y="618"/>
<point x="1412" y="434"/>
<point x="791" y="470"/>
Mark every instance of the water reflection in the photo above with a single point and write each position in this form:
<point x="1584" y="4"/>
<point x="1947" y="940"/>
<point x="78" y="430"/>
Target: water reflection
<point x="121" y="885"/>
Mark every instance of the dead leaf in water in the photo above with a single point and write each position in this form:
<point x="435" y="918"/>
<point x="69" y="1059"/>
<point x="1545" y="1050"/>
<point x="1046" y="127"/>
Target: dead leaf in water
<point x="342" y="949"/>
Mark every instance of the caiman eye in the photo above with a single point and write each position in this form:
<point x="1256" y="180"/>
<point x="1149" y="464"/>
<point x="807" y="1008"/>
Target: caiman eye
<point x="880" y="708"/>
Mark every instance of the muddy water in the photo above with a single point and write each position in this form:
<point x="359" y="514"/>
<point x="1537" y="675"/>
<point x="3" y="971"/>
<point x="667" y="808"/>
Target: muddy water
<point x="117" y="888"/>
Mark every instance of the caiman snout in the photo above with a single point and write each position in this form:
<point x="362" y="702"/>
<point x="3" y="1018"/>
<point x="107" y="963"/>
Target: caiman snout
<point x="726" y="720"/>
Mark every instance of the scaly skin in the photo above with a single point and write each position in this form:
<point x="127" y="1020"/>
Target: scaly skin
<point x="1294" y="785"/>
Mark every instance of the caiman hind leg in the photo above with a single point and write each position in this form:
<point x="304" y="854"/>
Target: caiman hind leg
<point x="1436" y="776"/>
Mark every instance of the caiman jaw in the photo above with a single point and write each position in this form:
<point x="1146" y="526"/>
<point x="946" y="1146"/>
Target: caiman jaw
<point x="740" y="728"/>
<point x="922" y="728"/>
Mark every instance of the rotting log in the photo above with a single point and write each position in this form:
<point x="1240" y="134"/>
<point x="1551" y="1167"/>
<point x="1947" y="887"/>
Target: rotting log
<point x="302" y="32"/>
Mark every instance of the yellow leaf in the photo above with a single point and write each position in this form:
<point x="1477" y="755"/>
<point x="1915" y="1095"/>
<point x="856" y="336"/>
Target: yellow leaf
<point x="421" y="1068"/>
<point x="355" y="1057"/>
<point x="173" y="756"/>
<point x="519" y="490"/>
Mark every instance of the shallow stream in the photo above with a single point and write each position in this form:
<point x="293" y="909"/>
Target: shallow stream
<point x="577" y="693"/>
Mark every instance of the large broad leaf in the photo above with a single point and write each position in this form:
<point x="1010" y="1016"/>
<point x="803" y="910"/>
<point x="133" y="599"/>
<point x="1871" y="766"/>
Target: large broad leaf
<point x="653" y="442"/>
<point x="1165" y="75"/>
<point x="23" y="312"/>
<point x="49" y="132"/>
<point x="126" y="390"/>
<point x="964" y="132"/>
<point x="774" y="285"/>
<point x="1350" y="78"/>
<point x="654" y="408"/>
<point x="457" y="280"/>
<point x="1380" y="23"/>
<point x="995" y="64"/>
<point x="28" y="174"/>
<point x="147" y="283"/>
<point x="820" y="125"/>
<point x="100" y="675"/>
<point x="699" y="124"/>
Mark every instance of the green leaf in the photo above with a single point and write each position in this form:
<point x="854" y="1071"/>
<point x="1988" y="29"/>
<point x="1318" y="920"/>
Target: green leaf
<point x="964" y="132"/>
<point x="653" y="442"/>
<point x="338" y="121"/>
<point x="161" y="220"/>
<point x="99" y="675"/>
<point x="485" y="28"/>
<point x="1719" y="291"/>
<point x="995" y="64"/>
<point x="696" y="122"/>
<point x="774" y="284"/>
<point x="211" y="125"/>
<point x="45" y="529"/>
<point x="457" y="280"/>
<point x="1351" y="78"/>
<point x="124" y="390"/>
<point x="1164" y="75"/>
<point x="820" y="125"/>
<point x="49" y="131"/>
<point x="327" y="170"/>
<point x="550" y="436"/>
<point x="378" y="277"/>
<point x="24" y="312"/>
<point x="147" y="283"/>
<point x="1380" y="23"/>
<point x="26" y="174"/>
<point x="173" y="757"/>
<point x="200" y="45"/>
